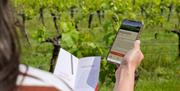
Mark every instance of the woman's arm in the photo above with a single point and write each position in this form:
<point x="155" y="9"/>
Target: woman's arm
<point x="125" y="74"/>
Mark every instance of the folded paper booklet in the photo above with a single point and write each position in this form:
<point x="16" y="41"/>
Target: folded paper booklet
<point x="80" y="74"/>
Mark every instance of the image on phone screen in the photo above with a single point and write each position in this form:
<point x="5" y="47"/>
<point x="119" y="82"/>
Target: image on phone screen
<point x="124" y="41"/>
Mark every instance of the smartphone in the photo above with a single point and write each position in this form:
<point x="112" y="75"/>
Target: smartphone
<point x="129" y="31"/>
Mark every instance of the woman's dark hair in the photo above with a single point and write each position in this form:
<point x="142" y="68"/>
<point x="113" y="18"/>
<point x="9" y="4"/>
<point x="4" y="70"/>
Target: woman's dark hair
<point x="9" y="49"/>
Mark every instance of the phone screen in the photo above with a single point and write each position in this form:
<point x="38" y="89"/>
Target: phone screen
<point x="124" y="41"/>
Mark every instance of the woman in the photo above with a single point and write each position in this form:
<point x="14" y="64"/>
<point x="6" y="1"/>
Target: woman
<point x="17" y="77"/>
<point x="14" y="76"/>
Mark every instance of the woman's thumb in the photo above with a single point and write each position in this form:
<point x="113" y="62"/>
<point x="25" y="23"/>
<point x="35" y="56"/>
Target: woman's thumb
<point x="137" y="44"/>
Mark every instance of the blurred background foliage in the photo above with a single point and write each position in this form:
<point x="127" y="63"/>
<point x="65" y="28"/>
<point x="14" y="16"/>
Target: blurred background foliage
<point x="88" y="28"/>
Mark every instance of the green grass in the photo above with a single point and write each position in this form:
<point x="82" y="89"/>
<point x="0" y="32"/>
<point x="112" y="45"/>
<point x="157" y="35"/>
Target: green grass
<point x="158" y="85"/>
<point x="159" y="70"/>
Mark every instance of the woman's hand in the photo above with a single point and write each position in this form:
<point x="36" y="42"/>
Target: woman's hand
<point x="126" y="71"/>
<point x="133" y="58"/>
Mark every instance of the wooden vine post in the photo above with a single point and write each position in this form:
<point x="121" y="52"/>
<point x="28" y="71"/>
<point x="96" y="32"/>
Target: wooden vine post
<point x="55" y="41"/>
<point x="21" y="26"/>
<point x="41" y="15"/>
<point x="178" y="33"/>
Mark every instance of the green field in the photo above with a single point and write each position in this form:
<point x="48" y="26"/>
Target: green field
<point x="159" y="71"/>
